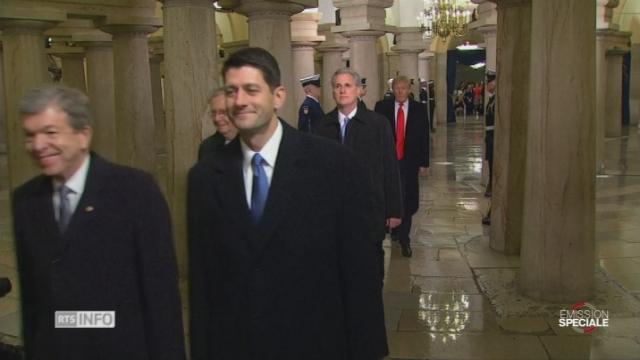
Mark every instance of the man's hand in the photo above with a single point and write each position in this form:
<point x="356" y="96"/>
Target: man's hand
<point x="424" y="171"/>
<point x="393" y="223"/>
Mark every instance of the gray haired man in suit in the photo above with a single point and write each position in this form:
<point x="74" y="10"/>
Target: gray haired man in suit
<point x="91" y="236"/>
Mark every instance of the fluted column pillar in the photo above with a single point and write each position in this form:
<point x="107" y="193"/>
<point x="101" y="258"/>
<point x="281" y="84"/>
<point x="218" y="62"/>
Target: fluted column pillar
<point x="304" y="37"/>
<point x="270" y="28"/>
<point x="486" y="24"/>
<point x="100" y="87"/>
<point x="190" y="76"/>
<point x="25" y="67"/>
<point x="409" y="45"/>
<point x="331" y="50"/>
<point x="132" y="83"/>
<point x="512" y="112"/>
<point x="363" y="22"/>
<point x="557" y="257"/>
<point x="613" y="105"/>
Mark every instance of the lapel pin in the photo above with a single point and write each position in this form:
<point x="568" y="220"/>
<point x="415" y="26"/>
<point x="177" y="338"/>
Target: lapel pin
<point x="88" y="209"/>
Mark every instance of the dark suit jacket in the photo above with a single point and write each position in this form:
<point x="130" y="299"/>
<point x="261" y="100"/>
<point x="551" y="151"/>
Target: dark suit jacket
<point x="117" y="254"/>
<point x="416" y="147"/>
<point x="369" y="137"/>
<point x="304" y="282"/>
<point x="314" y="113"/>
<point x="210" y="145"/>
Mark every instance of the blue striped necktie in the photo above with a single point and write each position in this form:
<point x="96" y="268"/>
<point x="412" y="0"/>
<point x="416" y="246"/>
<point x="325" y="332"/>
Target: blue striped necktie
<point x="343" y="129"/>
<point x="259" y="189"/>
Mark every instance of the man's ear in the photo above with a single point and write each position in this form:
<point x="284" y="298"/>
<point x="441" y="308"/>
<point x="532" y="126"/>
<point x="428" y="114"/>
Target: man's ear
<point x="280" y="95"/>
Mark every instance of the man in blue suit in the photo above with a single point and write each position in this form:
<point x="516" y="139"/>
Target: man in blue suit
<point x="281" y="264"/>
<point x="310" y="112"/>
<point x="409" y="119"/>
<point x="91" y="236"/>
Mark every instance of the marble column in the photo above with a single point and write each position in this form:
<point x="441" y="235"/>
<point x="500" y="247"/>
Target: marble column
<point x="558" y="245"/>
<point x="363" y="22"/>
<point x="25" y="67"/>
<point x="190" y="77"/>
<point x="424" y="58"/>
<point x="486" y="24"/>
<point x="607" y="39"/>
<point x="3" y="110"/>
<point x="100" y="87"/>
<point x="634" y="101"/>
<point x="331" y="50"/>
<point x="270" y="28"/>
<point x="512" y="111"/>
<point x="393" y="61"/>
<point x="409" y="45"/>
<point x="613" y="104"/>
<point x="132" y="84"/>
<point x="441" y="91"/>
<point x="72" y="58"/>
<point x="304" y="37"/>
<point x="156" y="59"/>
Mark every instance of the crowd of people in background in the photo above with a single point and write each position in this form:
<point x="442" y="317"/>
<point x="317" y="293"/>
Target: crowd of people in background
<point x="468" y="99"/>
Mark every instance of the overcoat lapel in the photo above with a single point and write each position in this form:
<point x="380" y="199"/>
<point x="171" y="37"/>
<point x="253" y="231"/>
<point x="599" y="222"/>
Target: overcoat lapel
<point x="89" y="206"/>
<point x="284" y="186"/>
<point x="230" y="190"/>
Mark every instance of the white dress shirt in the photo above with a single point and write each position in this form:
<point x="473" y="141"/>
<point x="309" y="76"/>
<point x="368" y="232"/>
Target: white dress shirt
<point x="269" y="153"/>
<point x="76" y="184"/>
<point x="342" y="117"/>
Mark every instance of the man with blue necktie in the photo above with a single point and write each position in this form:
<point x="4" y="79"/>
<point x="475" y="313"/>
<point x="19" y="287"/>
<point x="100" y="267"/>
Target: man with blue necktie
<point x="281" y="266"/>
<point x="369" y="136"/>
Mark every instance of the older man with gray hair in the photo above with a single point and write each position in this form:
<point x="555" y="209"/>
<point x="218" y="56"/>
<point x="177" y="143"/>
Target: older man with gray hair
<point x="93" y="241"/>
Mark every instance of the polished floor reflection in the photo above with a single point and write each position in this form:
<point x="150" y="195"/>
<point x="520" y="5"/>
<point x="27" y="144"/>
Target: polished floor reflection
<point x="456" y="298"/>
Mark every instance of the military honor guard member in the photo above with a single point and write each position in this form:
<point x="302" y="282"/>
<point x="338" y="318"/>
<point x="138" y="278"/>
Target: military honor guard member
<point x="310" y="112"/>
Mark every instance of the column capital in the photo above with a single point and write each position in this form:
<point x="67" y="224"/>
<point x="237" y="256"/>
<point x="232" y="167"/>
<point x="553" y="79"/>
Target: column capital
<point x="189" y="3"/>
<point x="503" y="4"/>
<point x="487" y="16"/>
<point x="362" y="15"/>
<point x="156" y="48"/>
<point x="409" y="40"/>
<point x="304" y="29"/>
<point x="65" y="51"/>
<point x="92" y="38"/>
<point x="426" y="55"/>
<point x="333" y="41"/>
<point x="612" y="39"/>
<point x="130" y="24"/>
<point x="604" y="14"/>
<point x="265" y="9"/>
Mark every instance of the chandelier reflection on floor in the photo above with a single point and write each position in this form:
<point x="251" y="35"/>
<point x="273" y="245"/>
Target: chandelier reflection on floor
<point x="444" y="18"/>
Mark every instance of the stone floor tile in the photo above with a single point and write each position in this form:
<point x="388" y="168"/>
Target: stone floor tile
<point x="413" y="345"/>
<point x="620" y="266"/>
<point x="617" y="249"/>
<point x="524" y="325"/>
<point x="587" y="347"/>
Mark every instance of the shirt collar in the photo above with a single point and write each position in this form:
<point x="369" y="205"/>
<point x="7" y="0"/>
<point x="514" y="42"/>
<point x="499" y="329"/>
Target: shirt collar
<point x="269" y="151"/>
<point x="342" y="117"/>
<point x="77" y="181"/>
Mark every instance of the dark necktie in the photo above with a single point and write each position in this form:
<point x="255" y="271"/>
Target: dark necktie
<point x="259" y="189"/>
<point x="64" y="209"/>
<point x="400" y="133"/>
<point x="343" y="129"/>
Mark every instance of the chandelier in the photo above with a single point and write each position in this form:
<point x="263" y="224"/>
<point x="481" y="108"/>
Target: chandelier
<point x="444" y="18"/>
